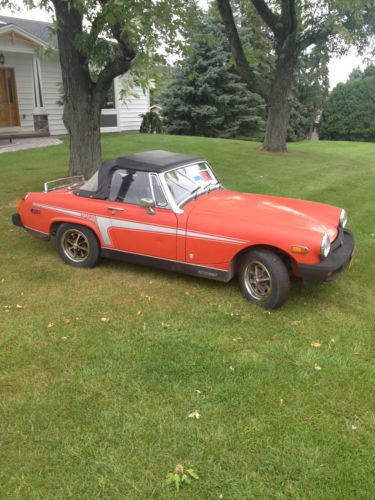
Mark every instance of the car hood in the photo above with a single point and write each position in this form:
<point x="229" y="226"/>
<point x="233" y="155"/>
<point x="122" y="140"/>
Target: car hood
<point x="269" y="210"/>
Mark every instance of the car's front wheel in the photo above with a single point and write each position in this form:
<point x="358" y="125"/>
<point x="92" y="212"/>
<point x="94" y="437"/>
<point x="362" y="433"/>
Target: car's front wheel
<point x="77" y="245"/>
<point x="264" y="278"/>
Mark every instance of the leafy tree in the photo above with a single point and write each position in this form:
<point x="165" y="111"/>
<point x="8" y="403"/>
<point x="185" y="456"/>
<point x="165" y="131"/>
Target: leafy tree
<point x="206" y="96"/>
<point x="99" y="40"/>
<point x="151" y="123"/>
<point x="349" y="114"/>
<point x="358" y="73"/>
<point x="310" y="90"/>
<point x="295" y="26"/>
<point x="160" y="75"/>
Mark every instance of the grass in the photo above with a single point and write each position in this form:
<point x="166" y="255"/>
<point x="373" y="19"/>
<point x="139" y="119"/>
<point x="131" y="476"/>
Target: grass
<point x="92" y="409"/>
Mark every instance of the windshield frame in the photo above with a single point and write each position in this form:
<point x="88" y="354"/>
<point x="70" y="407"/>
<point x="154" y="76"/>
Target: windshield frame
<point x="177" y="206"/>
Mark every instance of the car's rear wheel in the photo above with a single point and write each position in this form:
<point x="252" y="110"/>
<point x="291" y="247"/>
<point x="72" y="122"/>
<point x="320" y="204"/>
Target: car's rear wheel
<point x="264" y="278"/>
<point x="77" y="245"/>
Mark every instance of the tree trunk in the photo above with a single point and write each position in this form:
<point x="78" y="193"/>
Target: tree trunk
<point x="82" y="120"/>
<point x="278" y="106"/>
<point x="84" y="98"/>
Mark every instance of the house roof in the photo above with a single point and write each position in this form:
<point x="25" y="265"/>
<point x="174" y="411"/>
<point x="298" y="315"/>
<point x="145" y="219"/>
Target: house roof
<point x="36" y="29"/>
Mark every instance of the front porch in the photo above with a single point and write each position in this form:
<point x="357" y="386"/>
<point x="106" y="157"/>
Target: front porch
<point x="19" y="134"/>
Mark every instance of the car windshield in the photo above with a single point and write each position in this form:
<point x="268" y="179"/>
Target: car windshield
<point x="188" y="181"/>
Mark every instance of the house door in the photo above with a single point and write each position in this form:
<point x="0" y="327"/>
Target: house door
<point x="9" y="115"/>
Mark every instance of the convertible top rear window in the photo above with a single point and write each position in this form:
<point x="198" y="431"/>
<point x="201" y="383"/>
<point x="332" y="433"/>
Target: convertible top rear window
<point x="92" y="184"/>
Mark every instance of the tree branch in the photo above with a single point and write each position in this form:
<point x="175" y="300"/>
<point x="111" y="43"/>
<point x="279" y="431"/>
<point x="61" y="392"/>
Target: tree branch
<point x="254" y="82"/>
<point x="292" y="16"/>
<point x="321" y="35"/>
<point x="117" y="66"/>
<point x="268" y="16"/>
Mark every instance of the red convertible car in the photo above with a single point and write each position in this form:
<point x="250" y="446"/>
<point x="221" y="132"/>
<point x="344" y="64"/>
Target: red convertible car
<point x="169" y="210"/>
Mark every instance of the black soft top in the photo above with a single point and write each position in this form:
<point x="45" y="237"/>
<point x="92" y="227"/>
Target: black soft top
<point x="148" y="161"/>
<point x="153" y="161"/>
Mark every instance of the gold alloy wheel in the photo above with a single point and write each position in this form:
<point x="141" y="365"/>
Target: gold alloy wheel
<point x="76" y="245"/>
<point x="257" y="280"/>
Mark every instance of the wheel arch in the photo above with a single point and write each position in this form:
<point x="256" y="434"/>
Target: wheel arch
<point x="288" y="260"/>
<point x="57" y="223"/>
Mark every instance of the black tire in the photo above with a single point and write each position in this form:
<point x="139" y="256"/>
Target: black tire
<point x="264" y="278"/>
<point x="77" y="245"/>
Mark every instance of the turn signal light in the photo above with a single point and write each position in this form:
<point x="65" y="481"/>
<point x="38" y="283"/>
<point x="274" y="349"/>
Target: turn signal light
<point x="24" y="197"/>
<point x="19" y="206"/>
<point x="299" y="249"/>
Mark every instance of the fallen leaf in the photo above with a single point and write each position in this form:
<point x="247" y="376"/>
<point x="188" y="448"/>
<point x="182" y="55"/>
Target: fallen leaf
<point x="198" y="391"/>
<point x="66" y="321"/>
<point x="139" y="313"/>
<point x="317" y="368"/>
<point x="64" y="338"/>
<point x="281" y="401"/>
<point x="315" y="344"/>
<point x="165" y="325"/>
<point x="231" y="368"/>
<point x="7" y="307"/>
<point x="195" y="414"/>
<point x="354" y="427"/>
<point x="18" y="306"/>
<point x="50" y="325"/>
<point x="2" y="280"/>
<point x="104" y="319"/>
<point x="236" y="339"/>
<point x="148" y="297"/>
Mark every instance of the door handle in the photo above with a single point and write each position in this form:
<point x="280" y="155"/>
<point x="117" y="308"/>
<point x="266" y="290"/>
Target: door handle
<point x="115" y="209"/>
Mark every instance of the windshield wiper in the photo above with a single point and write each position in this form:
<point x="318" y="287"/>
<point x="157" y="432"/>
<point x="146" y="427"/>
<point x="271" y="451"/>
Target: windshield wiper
<point x="195" y="192"/>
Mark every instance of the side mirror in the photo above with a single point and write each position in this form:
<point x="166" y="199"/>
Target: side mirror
<point x="147" y="203"/>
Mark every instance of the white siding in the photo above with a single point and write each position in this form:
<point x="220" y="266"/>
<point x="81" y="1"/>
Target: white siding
<point x="129" y="112"/>
<point x="51" y="89"/>
<point x="22" y="65"/>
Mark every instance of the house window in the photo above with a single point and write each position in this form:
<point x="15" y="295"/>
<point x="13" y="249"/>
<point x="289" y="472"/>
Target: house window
<point x="38" y="97"/>
<point x="109" y="102"/>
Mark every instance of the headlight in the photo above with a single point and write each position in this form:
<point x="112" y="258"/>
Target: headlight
<point x="343" y="218"/>
<point x="325" y="247"/>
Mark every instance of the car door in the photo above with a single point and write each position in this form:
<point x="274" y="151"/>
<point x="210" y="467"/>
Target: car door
<point x="135" y="229"/>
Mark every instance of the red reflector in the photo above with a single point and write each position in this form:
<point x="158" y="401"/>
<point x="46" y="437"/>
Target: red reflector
<point x="35" y="210"/>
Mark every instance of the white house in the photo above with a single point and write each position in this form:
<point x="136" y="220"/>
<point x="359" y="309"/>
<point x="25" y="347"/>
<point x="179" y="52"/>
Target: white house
<point x="31" y="85"/>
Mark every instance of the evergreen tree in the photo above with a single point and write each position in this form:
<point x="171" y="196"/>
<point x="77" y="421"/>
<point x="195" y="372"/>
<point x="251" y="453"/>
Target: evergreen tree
<point x="206" y="96"/>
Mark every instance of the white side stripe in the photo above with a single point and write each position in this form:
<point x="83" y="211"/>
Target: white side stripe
<point x="57" y="209"/>
<point x="104" y="223"/>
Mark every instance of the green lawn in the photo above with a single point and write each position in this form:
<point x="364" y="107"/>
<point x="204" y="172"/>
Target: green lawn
<point x="93" y="409"/>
